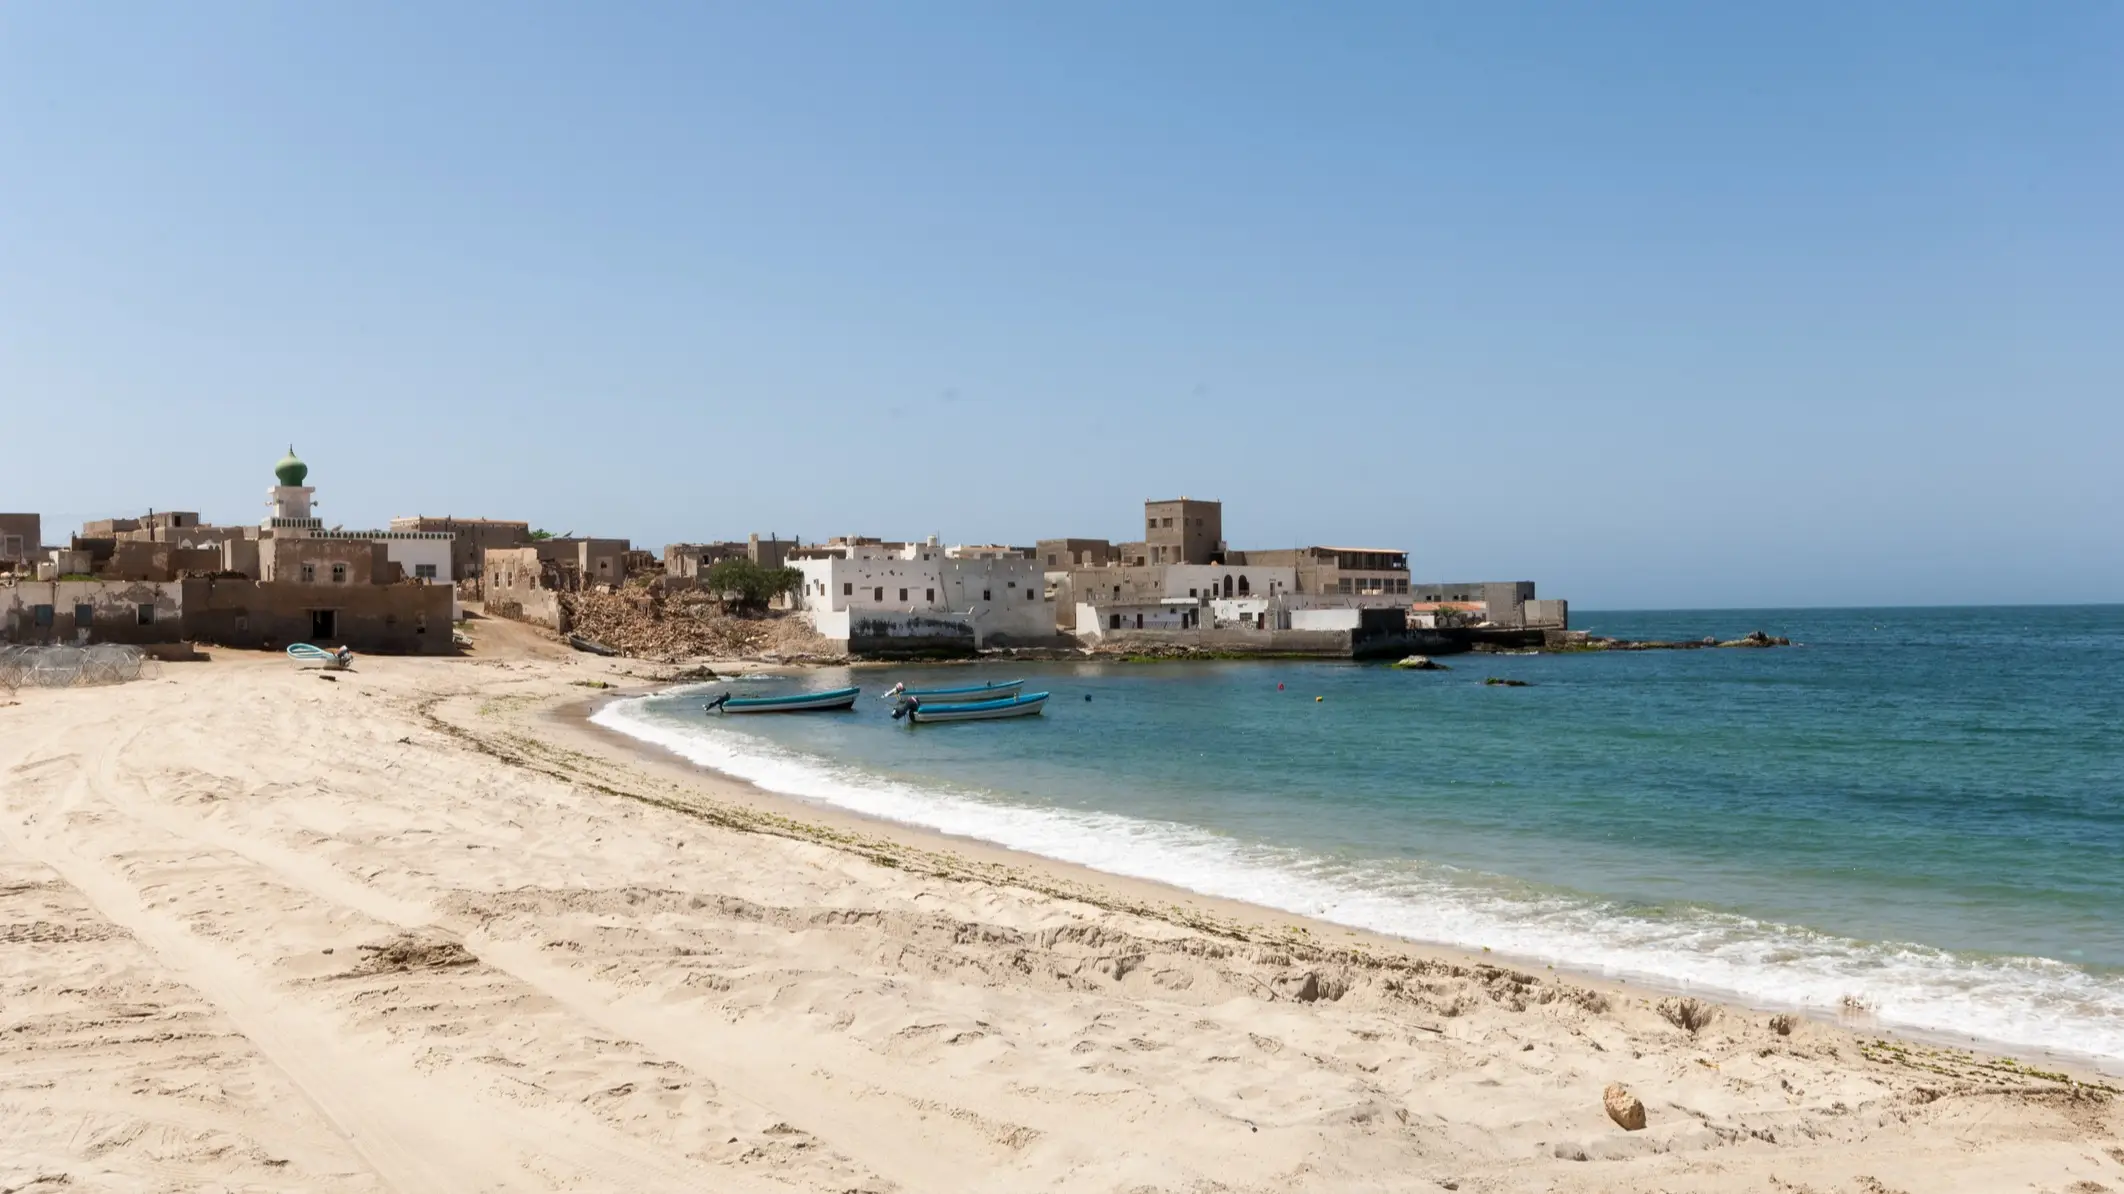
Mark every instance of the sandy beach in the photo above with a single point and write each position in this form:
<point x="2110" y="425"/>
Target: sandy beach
<point x="421" y="928"/>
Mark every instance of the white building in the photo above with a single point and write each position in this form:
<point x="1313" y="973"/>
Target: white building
<point x="917" y="588"/>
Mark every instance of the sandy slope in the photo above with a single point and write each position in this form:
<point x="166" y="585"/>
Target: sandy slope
<point x="409" y="930"/>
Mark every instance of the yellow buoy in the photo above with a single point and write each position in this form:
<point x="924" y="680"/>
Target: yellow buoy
<point x="1319" y="698"/>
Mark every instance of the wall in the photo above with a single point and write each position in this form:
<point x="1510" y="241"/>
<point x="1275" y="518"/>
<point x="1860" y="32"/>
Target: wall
<point x="1345" y="618"/>
<point x="367" y="561"/>
<point x="21" y="538"/>
<point x="241" y="555"/>
<point x="65" y="561"/>
<point x="889" y="635"/>
<point x="1195" y="535"/>
<point x="516" y="587"/>
<point x="1064" y="554"/>
<point x="602" y="561"/>
<point x="471" y="538"/>
<point x="1554" y="613"/>
<point x="1095" y="619"/>
<point x="411" y="554"/>
<point x="145" y="560"/>
<point x="402" y="619"/>
<point x="116" y="612"/>
<point x="998" y="600"/>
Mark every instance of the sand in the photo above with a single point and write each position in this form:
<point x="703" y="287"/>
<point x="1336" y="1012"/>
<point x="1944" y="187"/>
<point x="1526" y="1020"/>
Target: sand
<point x="419" y="928"/>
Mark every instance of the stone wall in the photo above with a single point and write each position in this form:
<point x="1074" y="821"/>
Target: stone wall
<point x="116" y="612"/>
<point x="401" y="619"/>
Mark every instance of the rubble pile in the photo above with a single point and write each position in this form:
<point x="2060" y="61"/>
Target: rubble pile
<point x="648" y="624"/>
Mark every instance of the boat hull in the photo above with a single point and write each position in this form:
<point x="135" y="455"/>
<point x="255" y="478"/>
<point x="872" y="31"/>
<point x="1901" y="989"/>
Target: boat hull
<point x="1020" y="706"/>
<point x="1000" y="690"/>
<point x="802" y="702"/>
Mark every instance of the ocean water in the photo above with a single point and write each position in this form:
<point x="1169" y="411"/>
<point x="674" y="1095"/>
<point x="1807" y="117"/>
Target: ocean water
<point x="1920" y="809"/>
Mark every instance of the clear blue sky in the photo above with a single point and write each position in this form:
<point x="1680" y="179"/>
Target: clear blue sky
<point x="1655" y="304"/>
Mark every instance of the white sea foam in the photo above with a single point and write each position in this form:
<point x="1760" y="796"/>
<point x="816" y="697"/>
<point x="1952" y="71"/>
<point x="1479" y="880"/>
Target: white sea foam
<point x="2030" y="1003"/>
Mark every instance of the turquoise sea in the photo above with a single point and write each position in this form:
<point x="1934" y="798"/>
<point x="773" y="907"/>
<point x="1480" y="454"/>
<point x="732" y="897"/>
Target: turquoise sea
<point x="1919" y="809"/>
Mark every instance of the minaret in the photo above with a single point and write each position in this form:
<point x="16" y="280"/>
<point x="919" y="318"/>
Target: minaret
<point x="290" y="500"/>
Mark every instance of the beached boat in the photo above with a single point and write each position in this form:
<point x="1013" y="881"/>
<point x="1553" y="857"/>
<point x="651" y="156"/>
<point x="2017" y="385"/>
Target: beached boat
<point x="591" y="646"/>
<point x="1014" y="706"/>
<point x="994" y="690"/>
<point x="795" y="702"/>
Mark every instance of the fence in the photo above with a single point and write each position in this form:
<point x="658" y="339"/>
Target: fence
<point x="67" y="667"/>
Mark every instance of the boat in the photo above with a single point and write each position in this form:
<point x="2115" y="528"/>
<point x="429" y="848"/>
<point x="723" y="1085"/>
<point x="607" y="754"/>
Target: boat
<point x="994" y="690"/>
<point x="795" y="702"/>
<point x="334" y="659"/>
<point x="591" y="646"/>
<point x="1012" y="706"/>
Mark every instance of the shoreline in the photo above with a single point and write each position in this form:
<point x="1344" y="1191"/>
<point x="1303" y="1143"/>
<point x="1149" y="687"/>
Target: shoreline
<point x="1136" y="893"/>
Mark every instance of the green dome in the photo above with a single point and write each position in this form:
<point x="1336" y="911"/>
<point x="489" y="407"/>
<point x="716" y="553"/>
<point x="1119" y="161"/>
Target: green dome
<point x="290" y="470"/>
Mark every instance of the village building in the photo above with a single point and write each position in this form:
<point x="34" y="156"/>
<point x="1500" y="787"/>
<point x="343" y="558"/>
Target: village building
<point x="690" y="562"/>
<point x="1509" y="604"/>
<point x="471" y="538"/>
<point x="917" y="599"/>
<point x="1369" y="577"/>
<point x="166" y="578"/>
<point x="1094" y="579"/>
<point x="1064" y="554"/>
<point x="525" y="583"/>
<point x="422" y="555"/>
<point x="21" y="542"/>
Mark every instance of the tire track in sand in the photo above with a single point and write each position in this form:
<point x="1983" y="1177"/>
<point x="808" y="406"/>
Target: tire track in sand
<point x="393" y="1118"/>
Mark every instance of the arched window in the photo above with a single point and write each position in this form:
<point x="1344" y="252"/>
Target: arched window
<point x="1244" y="588"/>
<point x="1227" y="586"/>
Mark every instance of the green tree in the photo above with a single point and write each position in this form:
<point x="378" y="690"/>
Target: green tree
<point x="541" y="533"/>
<point x="750" y="586"/>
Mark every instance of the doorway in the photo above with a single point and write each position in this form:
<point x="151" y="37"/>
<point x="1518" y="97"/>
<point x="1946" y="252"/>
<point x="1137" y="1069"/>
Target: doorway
<point x="324" y="625"/>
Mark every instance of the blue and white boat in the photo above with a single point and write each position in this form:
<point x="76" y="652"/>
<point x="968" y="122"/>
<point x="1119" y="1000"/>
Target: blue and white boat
<point x="914" y="710"/>
<point x="994" y="690"/>
<point x="795" y="702"/>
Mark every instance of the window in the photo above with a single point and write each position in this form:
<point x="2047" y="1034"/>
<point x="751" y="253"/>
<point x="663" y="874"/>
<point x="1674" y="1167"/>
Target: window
<point x="1244" y="588"/>
<point x="339" y="574"/>
<point x="1050" y="559"/>
<point x="929" y="594"/>
<point x="1192" y="593"/>
<point x="985" y="595"/>
<point x="903" y="594"/>
<point x="309" y="574"/>
<point x="1028" y="594"/>
<point x="424" y="572"/>
<point x="1167" y="523"/>
<point x="243" y="623"/>
<point x="41" y="615"/>
<point x="13" y="548"/>
<point x="1113" y="622"/>
<point x="878" y="593"/>
<point x="146" y="613"/>
<point x="83" y="616"/>
<point x="1343" y="584"/>
<point x="848" y="590"/>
